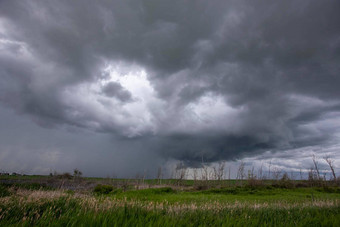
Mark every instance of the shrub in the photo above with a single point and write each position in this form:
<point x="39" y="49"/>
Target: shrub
<point x="234" y="190"/>
<point x="254" y="183"/>
<point x="64" y="176"/>
<point x="162" y="190"/>
<point x="201" y="187"/>
<point x="285" y="182"/>
<point x="103" y="189"/>
<point x="328" y="189"/>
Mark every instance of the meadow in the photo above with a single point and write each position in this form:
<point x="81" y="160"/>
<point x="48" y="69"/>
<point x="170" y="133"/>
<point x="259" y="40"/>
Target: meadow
<point x="36" y="201"/>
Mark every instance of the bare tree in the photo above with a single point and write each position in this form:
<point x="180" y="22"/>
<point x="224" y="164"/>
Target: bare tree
<point x="138" y="180"/>
<point x="269" y="166"/>
<point x="301" y="174"/>
<point x="214" y="173"/>
<point x="330" y="163"/>
<point x="316" y="167"/>
<point x="252" y="178"/>
<point x="159" y="175"/>
<point x="229" y="176"/>
<point x="219" y="171"/>
<point x="251" y="174"/>
<point x="260" y="172"/>
<point x="77" y="174"/>
<point x="285" y="177"/>
<point x="204" y="173"/>
<point x="180" y="172"/>
<point x="276" y="173"/>
<point x="221" y="168"/>
<point x="183" y="173"/>
<point x="211" y="173"/>
<point x="194" y="174"/>
<point x="144" y="176"/>
<point x="324" y="176"/>
<point x="311" y="175"/>
<point x="240" y="172"/>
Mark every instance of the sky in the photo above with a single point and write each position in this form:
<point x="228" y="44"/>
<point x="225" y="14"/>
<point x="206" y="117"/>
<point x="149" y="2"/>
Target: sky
<point x="120" y="88"/>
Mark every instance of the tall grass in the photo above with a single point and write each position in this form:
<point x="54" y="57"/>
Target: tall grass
<point x="58" y="208"/>
<point x="71" y="212"/>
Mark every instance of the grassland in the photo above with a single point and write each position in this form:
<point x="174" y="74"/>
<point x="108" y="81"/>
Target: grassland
<point x="25" y="203"/>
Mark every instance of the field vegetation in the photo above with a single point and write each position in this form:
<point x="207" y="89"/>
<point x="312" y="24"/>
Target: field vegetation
<point x="209" y="200"/>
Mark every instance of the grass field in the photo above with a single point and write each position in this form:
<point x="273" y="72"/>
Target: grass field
<point x="31" y="204"/>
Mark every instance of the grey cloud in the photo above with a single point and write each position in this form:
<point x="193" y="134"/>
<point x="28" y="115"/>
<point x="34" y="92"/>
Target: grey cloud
<point x="275" y="64"/>
<point x="31" y="149"/>
<point x="114" y="89"/>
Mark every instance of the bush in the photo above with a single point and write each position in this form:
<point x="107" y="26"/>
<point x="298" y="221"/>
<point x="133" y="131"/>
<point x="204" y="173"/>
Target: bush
<point x="65" y="176"/>
<point x="201" y="187"/>
<point x="162" y="190"/>
<point x="103" y="189"/>
<point x="286" y="182"/>
<point x="233" y="190"/>
<point x="328" y="189"/>
<point x="254" y="183"/>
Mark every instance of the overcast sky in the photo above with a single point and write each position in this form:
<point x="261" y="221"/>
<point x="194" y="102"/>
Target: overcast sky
<point x="117" y="88"/>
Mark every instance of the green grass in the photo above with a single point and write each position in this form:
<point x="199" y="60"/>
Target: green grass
<point x="242" y="194"/>
<point x="4" y="191"/>
<point x="70" y="212"/>
<point x="108" y="205"/>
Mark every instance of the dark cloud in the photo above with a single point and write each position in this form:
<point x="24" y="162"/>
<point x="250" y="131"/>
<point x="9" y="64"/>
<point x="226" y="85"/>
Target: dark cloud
<point x="113" y="89"/>
<point x="222" y="79"/>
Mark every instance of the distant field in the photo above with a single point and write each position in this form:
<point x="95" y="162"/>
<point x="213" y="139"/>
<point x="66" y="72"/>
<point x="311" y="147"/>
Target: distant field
<point x="30" y="201"/>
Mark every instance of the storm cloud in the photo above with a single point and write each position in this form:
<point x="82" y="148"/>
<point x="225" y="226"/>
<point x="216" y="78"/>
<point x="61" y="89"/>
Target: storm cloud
<point x="176" y="80"/>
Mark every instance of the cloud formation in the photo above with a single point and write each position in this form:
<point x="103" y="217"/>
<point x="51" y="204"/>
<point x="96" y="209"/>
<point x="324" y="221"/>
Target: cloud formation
<point x="219" y="79"/>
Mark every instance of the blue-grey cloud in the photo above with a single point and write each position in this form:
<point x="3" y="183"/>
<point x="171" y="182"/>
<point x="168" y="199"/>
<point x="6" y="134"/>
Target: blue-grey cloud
<point x="222" y="79"/>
